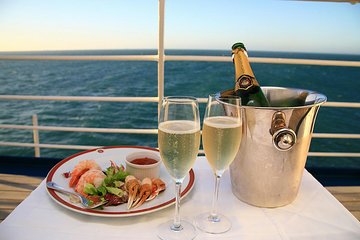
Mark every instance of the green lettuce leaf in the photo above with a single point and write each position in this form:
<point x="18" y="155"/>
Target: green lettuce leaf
<point x="101" y="191"/>
<point x="115" y="191"/>
<point x="90" y="189"/>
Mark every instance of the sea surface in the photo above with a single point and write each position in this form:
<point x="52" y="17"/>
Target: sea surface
<point x="139" y="79"/>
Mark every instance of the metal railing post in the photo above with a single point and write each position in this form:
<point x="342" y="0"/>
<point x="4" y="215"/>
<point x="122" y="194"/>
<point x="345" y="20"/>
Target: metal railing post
<point x="161" y="54"/>
<point x="36" y="135"/>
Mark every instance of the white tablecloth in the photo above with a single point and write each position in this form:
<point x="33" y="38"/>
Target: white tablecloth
<point x="315" y="214"/>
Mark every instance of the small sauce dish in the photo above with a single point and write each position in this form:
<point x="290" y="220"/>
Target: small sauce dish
<point x="143" y="164"/>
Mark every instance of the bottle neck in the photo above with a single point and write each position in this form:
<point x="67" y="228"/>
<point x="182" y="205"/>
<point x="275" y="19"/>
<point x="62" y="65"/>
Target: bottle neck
<point x="244" y="76"/>
<point x="241" y="63"/>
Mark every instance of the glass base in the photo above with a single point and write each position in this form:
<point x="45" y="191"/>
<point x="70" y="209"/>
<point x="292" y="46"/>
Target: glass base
<point x="167" y="231"/>
<point x="220" y="224"/>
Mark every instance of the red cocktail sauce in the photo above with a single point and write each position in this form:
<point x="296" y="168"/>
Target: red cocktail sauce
<point x="143" y="161"/>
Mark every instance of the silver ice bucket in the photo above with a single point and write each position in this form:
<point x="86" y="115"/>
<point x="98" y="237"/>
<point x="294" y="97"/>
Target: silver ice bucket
<point x="268" y="168"/>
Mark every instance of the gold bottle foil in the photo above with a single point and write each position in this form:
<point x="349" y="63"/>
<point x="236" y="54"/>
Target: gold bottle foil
<point x="244" y="76"/>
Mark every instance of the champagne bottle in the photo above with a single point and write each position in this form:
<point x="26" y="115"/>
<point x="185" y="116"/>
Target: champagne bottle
<point x="246" y="85"/>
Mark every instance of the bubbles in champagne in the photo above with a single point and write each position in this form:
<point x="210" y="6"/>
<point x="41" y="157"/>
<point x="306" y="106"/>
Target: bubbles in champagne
<point x="179" y="143"/>
<point x="221" y="140"/>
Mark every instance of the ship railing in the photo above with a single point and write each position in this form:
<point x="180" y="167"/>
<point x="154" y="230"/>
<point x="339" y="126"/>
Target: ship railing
<point x="160" y="58"/>
<point x="35" y="128"/>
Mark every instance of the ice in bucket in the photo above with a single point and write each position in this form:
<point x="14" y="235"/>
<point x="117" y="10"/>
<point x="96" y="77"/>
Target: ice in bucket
<point x="268" y="168"/>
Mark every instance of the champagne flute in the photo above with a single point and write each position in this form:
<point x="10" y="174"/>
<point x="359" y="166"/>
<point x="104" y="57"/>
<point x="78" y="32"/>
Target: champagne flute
<point x="179" y="141"/>
<point x="221" y="136"/>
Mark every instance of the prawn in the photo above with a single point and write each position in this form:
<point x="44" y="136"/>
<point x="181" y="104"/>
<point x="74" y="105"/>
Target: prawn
<point x="157" y="186"/>
<point x="144" y="193"/>
<point x="132" y="185"/>
<point x="81" y="168"/>
<point x="92" y="176"/>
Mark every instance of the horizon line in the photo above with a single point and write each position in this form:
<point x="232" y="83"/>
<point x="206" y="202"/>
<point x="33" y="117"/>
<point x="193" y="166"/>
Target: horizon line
<point x="167" y="49"/>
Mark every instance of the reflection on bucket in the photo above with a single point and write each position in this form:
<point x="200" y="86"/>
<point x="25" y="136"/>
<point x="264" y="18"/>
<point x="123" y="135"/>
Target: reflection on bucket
<point x="268" y="168"/>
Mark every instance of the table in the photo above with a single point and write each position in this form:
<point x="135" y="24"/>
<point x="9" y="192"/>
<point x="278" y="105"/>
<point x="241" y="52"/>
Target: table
<point x="315" y="214"/>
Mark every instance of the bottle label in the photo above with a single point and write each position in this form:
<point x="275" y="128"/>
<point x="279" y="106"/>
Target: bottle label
<point x="245" y="82"/>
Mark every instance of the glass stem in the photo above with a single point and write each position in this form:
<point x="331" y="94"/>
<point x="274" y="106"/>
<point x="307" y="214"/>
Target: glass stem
<point x="214" y="211"/>
<point x="177" y="224"/>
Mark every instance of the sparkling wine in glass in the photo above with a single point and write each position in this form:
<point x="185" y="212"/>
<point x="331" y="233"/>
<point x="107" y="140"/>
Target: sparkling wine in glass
<point x="221" y="136"/>
<point x="179" y="141"/>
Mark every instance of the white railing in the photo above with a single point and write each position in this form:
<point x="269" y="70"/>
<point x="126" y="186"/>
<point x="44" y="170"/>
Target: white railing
<point x="35" y="128"/>
<point x="183" y="58"/>
<point x="160" y="58"/>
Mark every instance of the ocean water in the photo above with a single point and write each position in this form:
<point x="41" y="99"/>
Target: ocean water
<point x="122" y="78"/>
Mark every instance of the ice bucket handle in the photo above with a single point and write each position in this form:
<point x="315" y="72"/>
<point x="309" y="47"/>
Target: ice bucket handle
<point x="283" y="137"/>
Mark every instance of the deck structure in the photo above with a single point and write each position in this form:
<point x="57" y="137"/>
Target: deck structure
<point x="15" y="188"/>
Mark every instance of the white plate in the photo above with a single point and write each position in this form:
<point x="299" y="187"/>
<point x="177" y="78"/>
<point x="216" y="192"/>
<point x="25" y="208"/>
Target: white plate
<point x="103" y="156"/>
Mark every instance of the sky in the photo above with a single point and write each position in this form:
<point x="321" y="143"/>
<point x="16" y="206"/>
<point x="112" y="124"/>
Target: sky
<point x="268" y="25"/>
